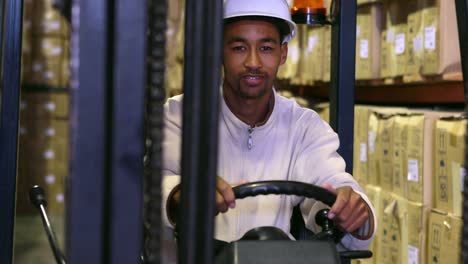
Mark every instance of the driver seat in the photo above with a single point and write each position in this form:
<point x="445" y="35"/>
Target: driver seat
<point x="298" y="228"/>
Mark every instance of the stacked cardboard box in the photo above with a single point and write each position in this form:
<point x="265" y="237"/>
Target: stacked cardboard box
<point x="44" y="116"/>
<point x="444" y="238"/>
<point x="368" y="32"/>
<point x="449" y="170"/>
<point x="427" y="156"/>
<point x="361" y="117"/>
<point x="441" y="45"/>
<point x="46" y="45"/>
<point x="43" y="148"/>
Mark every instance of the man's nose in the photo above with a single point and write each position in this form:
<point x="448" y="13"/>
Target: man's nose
<point x="253" y="60"/>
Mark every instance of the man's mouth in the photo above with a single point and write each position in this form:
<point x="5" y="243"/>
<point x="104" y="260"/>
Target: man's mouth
<point x="253" y="80"/>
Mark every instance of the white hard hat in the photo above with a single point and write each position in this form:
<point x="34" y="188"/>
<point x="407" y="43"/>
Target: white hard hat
<point x="268" y="8"/>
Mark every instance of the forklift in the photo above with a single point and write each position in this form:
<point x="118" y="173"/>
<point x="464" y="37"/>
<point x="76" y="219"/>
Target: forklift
<point x="114" y="190"/>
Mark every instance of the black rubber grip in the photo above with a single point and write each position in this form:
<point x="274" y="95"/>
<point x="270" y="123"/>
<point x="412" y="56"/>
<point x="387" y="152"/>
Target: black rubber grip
<point x="285" y="187"/>
<point x="356" y="254"/>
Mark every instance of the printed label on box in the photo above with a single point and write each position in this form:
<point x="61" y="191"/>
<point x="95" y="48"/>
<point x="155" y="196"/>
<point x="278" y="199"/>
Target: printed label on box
<point x="49" y="154"/>
<point x="418" y="43"/>
<point x="371" y="139"/>
<point x="400" y="44"/>
<point x="50" y="132"/>
<point x="294" y="53"/>
<point x="462" y="178"/>
<point x="390" y="36"/>
<point x="413" y="171"/>
<point x="413" y="255"/>
<point x="364" y="49"/>
<point x="363" y="152"/>
<point x="312" y="43"/>
<point x="50" y="106"/>
<point x="50" y="179"/>
<point x="430" y="38"/>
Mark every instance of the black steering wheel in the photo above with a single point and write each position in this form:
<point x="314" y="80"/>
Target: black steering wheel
<point x="285" y="187"/>
<point x="329" y="231"/>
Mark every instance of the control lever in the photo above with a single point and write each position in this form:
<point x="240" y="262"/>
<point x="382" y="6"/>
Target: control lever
<point x="329" y="231"/>
<point x="38" y="199"/>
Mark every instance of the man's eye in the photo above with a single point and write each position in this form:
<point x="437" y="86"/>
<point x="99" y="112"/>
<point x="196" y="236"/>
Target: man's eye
<point x="266" y="48"/>
<point x="238" y="48"/>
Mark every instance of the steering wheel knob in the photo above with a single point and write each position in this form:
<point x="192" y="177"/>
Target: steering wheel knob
<point x="329" y="231"/>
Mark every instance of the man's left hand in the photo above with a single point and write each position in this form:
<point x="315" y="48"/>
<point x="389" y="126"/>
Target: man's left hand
<point x="349" y="211"/>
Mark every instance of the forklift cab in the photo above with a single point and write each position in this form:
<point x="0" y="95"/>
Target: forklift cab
<point x="113" y="213"/>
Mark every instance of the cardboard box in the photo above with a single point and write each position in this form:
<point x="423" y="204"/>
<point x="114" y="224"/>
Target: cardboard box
<point x="373" y="171"/>
<point x="311" y="52"/>
<point x="374" y="194"/>
<point x="400" y="164"/>
<point x="318" y="53"/>
<point x="391" y="226"/>
<point x="51" y="73"/>
<point x="444" y="238"/>
<point x="414" y="233"/>
<point x="449" y="161"/>
<point x="368" y="32"/>
<point x="362" y="2"/>
<point x="386" y="65"/>
<point x="43" y="159"/>
<point x="48" y="21"/>
<point x="420" y="157"/>
<point x="441" y="43"/>
<point x="394" y="36"/>
<point x="323" y="109"/>
<point x="327" y="54"/>
<point x="50" y="62"/>
<point x="415" y="40"/>
<point x="385" y="154"/>
<point x="289" y="69"/>
<point x="361" y="127"/>
<point x="45" y="105"/>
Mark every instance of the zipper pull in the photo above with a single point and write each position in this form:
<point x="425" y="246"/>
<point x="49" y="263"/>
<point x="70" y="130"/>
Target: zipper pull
<point x="249" y="140"/>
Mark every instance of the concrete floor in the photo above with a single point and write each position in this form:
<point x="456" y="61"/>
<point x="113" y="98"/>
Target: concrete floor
<point x="31" y="244"/>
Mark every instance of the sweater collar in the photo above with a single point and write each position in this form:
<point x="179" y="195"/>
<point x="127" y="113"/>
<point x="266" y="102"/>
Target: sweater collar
<point x="233" y="119"/>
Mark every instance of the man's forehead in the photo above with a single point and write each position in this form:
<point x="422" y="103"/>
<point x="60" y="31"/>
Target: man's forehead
<point x="258" y="28"/>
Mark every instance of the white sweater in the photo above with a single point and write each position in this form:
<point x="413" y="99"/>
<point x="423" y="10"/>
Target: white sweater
<point x="294" y="144"/>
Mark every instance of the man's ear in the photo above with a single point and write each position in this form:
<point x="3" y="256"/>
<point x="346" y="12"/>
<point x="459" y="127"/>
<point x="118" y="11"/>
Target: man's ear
<point x="284" y="53"/>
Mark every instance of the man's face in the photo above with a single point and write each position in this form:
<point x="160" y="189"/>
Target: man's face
<point x="252" y="55"/>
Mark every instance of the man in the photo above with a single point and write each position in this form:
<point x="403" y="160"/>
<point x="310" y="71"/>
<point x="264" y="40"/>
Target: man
<point x="264" y="136"/>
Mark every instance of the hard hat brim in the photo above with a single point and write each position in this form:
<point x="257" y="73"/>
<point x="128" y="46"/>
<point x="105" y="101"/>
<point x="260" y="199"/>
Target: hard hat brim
<point x="292" y="26"/>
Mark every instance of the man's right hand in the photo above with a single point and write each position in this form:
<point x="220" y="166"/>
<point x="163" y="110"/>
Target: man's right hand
<point x="225" y="198"/>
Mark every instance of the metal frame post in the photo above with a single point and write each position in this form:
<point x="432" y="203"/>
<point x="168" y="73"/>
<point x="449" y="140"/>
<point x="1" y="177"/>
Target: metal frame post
<point x="462" y="19"/>
<point x="203" y="51"/>
<point x="104" y="223"/>
<point x="12" y="16"/>
<point x="86" y="185"/>
<point x="343" y="61"/>
<point x="127" y="129"/>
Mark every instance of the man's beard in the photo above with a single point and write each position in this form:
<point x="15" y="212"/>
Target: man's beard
<point x="245" y="95"/>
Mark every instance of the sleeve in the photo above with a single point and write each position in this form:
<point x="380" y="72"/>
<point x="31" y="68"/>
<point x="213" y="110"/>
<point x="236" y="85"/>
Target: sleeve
<point x="171" y="152"/>
<point x="318" y="162"/>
